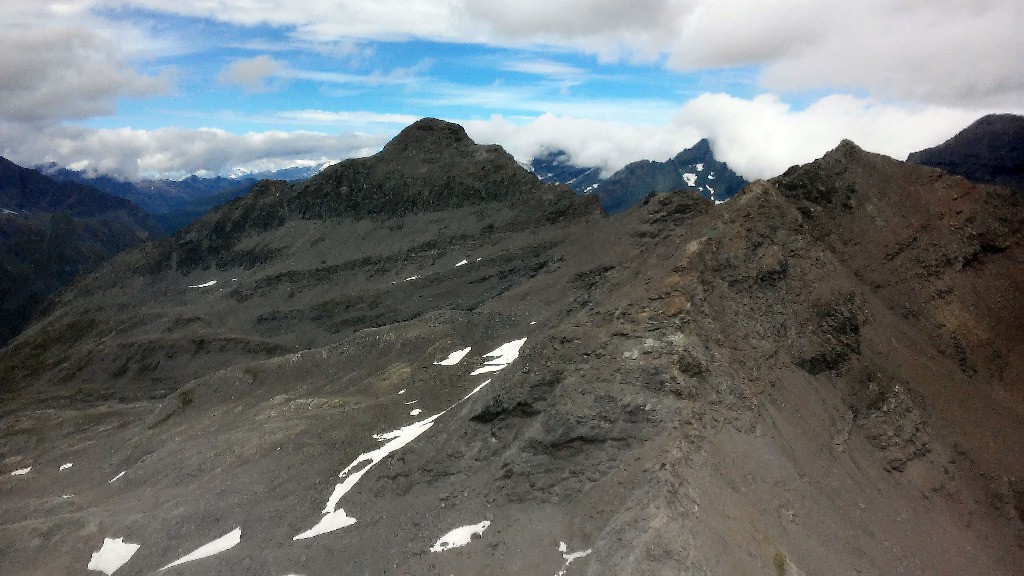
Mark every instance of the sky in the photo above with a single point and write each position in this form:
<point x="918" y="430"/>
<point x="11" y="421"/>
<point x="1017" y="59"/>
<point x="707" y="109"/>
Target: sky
<point x="151" y="88"/>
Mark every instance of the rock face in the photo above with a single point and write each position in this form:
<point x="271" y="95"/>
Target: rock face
<point x="819" y="376"/>
<point x="694" y="169"/>
<point x="51" y="231"/>
<point x="991" y="151"/>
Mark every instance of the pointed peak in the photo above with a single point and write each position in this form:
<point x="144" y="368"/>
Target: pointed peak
<point x="847" y="146"/>
<point x="425" y="135"/>
<point x="699" y="152"/>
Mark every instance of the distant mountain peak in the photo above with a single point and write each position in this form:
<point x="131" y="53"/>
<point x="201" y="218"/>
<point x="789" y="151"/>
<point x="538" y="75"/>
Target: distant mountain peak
<point x="694" y="168"/>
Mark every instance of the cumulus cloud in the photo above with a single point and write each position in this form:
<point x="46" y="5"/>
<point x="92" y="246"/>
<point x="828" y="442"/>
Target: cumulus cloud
<point x="251" y="73"/>
<point x="176" y="152"/>
<point x="65" y="73"/>
<point x="944" y="51"/>
<point x="758" y="137"/>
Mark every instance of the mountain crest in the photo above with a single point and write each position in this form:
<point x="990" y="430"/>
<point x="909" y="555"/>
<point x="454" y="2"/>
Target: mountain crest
<point x="426" y="136"/>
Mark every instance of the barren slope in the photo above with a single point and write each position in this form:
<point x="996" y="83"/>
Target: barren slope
<point x="786" y="383"/>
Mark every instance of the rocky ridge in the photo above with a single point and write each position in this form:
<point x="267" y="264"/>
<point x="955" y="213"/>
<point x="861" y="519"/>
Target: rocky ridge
<point x="815" y="377"/>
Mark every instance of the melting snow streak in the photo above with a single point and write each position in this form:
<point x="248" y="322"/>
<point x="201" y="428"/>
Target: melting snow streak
<point x="204" y="284"/>
<point x="225" y="542"/>
<point x="459" y="537"/>
<point x="454" y="358"/>
<point x="66" y="466"/>
<point x="112" y="480"/>
<point x="335" y="518"/>
<point x="21" y="471"/>
<point x="570" y="557"/>
<point x="354" y="472"/>
<point x="112" y="555"/>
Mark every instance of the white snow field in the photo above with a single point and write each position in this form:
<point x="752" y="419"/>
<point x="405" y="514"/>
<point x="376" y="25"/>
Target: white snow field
<point x="112" y="555"/>
<point x="459" y="537"/>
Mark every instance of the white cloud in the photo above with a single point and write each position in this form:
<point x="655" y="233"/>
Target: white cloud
<point x="251" y="73"/>
<point x="591" y="142"/>
<point x="763" y="136"/>
<point x="758" y="137"/>
<point x="544" y="67"/>
<point x="939" y="51"/>
<point x="345" y="118"/>
<point x="176" y="152"/>
<point x="65" y="73"/>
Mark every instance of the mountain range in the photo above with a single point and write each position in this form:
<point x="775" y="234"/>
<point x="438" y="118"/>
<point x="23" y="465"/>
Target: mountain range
<point x="51" y="231"/>
<point x="694" y="168"/>
<point x="176" y="203"/>
<point x="428" y="361"/>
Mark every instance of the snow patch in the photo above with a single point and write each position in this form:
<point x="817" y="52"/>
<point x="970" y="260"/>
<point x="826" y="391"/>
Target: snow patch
<point x="690" y="178"/>
<point x="112" y="480"/>
<point x="416" y="412"/>
<point x="112" y="555"/>
<point x="711" y="175"/>
<point x="454" y="358"/>
<point x="204" y="284"/>
<point x="459" y="537"/>
<point x="411" y="278"/>
<point x="66" y="466"/>
<point x="501" y="356"/>
<point x="699" y="166"/>
<point x="329" y="523"/>
<point x="225" y="542"/>
<point x="21" y="471"/>
<point x="463" y="263"/>
<point x="569" y="558"/>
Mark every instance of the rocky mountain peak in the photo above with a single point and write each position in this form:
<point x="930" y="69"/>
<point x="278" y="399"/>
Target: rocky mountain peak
<point x="427" y="136"/>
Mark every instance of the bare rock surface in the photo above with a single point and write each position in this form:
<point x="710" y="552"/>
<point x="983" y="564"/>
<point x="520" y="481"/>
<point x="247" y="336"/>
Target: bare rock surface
<point x="820" y="376"/>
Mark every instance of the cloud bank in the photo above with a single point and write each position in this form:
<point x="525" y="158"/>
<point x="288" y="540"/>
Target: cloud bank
<point x="176" y="152"/>
<point x="758" y="137"/>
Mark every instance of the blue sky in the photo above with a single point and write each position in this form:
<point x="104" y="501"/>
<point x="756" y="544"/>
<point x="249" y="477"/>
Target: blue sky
<point x="150" y="88"/>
